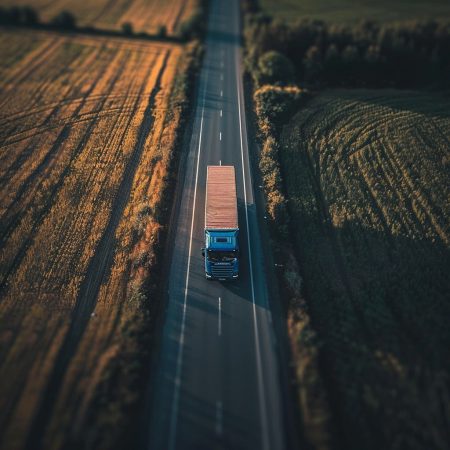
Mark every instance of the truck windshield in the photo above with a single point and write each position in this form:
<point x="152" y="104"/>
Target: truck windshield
<point x="214" y="255"/>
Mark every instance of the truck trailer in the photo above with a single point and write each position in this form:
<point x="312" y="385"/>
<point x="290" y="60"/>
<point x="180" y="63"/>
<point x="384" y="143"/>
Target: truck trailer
<point x="221" y="251"/>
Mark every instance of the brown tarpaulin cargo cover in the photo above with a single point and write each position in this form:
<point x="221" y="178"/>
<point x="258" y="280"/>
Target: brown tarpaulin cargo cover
<point x="221" y="202"/>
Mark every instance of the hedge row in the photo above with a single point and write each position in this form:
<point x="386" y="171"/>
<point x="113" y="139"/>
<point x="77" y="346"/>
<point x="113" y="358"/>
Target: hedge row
<point x="274" y="105"/>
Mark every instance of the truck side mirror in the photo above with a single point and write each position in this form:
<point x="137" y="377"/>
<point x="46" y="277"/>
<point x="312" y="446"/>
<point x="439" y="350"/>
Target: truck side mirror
<point x="203" y="252"/>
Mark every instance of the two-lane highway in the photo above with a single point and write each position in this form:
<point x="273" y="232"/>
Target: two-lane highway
<point x="217" y="383"/>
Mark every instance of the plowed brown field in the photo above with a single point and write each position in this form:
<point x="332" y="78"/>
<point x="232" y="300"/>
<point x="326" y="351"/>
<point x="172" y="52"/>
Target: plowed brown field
<point x="367" y="180"/>
<point x="87" y="132"/>
<point x="144" y="15"/>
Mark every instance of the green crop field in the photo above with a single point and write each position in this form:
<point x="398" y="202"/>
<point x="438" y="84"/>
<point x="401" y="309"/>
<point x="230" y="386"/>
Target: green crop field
<point x="366" y="174"/>
<point x="350" y="11"/>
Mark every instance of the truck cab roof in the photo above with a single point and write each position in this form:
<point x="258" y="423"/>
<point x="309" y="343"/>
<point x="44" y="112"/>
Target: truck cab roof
<point x="221" y="240"/>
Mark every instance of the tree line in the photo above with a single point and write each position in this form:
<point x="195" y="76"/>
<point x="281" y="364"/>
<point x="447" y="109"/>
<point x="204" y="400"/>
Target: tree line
<point x="28" y="16"/>
<point x="317" y="53"/>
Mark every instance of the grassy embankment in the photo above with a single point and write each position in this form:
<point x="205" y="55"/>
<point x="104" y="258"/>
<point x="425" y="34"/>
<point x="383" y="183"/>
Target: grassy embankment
<point x="358" y="179"/>
<point x="90" y="130"/>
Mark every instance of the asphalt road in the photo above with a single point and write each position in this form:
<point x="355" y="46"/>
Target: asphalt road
<point x="217" y="382"/>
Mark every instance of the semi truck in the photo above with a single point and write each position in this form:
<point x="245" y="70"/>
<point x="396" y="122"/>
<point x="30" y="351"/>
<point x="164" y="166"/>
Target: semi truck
<point x="221" y="251"/>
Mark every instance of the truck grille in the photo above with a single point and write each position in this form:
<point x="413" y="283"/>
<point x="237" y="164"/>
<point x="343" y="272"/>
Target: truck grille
<point x="219" y="271"/>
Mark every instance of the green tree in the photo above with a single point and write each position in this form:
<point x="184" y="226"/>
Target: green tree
<point x="29" y="16"/>
<point x="313" y="63"/>
<point x="127" y="28"/>
<point x="274" y="68"/>
<point x="65" y="20"/>
<point x="13" y="15"/>
<point x="161" y="32"/>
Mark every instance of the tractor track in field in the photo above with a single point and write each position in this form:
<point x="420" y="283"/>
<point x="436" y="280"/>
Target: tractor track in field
<point x="32" y="65"/>
<point x="377" y="161"/>
<point x="7" y="228"/>
<point x="47" y="125"/>
<point x="56" y="147"/>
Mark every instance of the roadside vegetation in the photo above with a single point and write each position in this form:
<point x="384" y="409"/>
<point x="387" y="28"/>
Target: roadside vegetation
<point x="356" y="184"/>
<point x="91" y="130"/>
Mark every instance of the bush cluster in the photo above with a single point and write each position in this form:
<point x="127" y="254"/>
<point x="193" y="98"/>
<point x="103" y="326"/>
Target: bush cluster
<point x="275" y="105"/>
<point x="65" y="20"/>
<point x="127" y="28"/>
<point x="274" y="68"/>
<point x="403" y="55"/>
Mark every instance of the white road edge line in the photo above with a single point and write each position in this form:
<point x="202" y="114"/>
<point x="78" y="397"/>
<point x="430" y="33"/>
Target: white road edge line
<point x="262" y="397"/>
<point x="176" y="392"/>
<point x="219" y="325"/>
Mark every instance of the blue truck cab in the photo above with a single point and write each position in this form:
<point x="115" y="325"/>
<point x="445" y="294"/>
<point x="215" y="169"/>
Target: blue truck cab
<point x="221" y="254"/>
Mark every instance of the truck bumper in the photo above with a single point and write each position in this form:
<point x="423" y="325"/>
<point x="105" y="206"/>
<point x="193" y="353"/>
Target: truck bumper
<point x="210" y="277"/>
